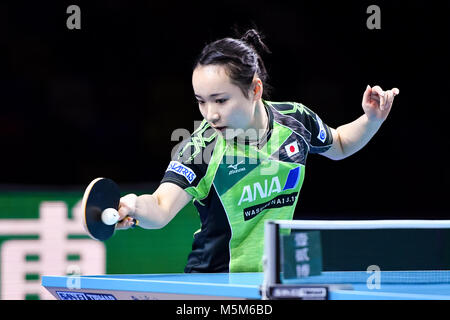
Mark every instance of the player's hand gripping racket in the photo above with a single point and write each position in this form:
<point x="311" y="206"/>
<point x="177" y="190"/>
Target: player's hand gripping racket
<point x="100" y="204"/>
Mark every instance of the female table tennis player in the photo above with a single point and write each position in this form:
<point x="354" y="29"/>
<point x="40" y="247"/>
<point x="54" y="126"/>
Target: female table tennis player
<point x="246" y="161"/>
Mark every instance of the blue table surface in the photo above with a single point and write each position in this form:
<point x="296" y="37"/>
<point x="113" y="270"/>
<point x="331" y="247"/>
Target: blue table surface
<point x="394" y="285"/>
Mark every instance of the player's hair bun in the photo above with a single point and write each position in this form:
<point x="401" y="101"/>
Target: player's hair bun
<point x="254" y="39"/>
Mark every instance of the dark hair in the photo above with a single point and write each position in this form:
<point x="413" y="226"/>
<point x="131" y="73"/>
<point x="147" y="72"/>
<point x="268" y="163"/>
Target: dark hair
<point x="240" y="57"/>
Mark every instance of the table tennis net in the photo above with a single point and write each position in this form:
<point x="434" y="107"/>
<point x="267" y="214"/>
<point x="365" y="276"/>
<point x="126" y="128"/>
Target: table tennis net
<point x="405" y="252"/>
<point x="386" y="277"/>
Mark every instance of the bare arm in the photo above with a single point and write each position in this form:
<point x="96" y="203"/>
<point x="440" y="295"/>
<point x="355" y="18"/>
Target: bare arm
<point x="153" y="211"/>
<point x="353" y="136"/>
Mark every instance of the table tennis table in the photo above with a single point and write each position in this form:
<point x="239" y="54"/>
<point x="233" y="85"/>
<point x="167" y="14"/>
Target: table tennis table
<point x="395" y="285"/>
<point x="273" y="283"/>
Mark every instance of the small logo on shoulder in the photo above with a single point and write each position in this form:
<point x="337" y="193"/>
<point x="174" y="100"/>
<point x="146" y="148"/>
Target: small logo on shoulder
<point x="322" y="136"/>
<point x="181" y="169"/>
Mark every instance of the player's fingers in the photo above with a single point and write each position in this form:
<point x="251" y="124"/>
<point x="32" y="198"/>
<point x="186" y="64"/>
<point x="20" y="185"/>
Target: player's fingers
<point x="396" y="91"/>
<point x="375" y="97"/>
<point x="130" y="222"/>
<point x="129" y="201"/>
<point x="366" y="95"/>
<point x="123" y="211"/>
<point x="389" y="99"/>
<point x="127" y="205"/>
<point x="126" y="223"/>
<point x="120" y="225"/>
<point x="378" y="91"/>
<point x="387" y="103"/>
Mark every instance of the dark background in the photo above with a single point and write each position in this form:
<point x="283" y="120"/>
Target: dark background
<point x="104" y="100"/>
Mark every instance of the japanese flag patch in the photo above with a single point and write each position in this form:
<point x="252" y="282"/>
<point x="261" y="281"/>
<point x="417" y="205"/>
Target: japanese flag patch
<point x="292" y="148"/>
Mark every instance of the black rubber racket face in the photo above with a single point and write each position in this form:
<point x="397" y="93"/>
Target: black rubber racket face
<point x="102" y="193"/>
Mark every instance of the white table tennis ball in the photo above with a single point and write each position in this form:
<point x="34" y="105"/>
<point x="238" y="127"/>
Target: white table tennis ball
<point x="110" y="216"/>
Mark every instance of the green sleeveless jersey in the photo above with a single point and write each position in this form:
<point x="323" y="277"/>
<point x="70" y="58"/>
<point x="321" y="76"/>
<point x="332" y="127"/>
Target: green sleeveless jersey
<point x="237" y="186"/>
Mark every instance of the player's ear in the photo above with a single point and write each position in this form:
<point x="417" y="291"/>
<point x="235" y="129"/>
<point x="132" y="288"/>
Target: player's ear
<point x="257" y="88"/>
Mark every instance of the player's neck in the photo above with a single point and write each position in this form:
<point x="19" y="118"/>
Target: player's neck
<point x="259" y="127"/>
<point x="261" y="116"/>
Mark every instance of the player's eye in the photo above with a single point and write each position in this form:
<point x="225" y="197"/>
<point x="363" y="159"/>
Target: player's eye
<point x="200" y="102"/>
<point x="221" y="101"/>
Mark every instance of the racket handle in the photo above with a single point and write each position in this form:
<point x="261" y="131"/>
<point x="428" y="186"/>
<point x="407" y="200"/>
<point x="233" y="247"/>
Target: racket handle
<point x="135" y="223"/>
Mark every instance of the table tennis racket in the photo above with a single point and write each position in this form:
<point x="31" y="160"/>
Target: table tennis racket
<point x="101" y="194"/>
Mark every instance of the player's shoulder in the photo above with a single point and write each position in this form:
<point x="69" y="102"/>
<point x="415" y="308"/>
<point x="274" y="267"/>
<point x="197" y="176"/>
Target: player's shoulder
<point x="290" y="108"/>
<point x="292" y="114"/>
<point x="194" y="146"/>
<point x="305" y="122"/>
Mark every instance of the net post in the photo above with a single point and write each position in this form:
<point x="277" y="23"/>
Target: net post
<point x="271" y="258"/>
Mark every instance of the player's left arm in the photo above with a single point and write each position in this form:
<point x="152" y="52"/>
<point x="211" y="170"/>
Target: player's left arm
<point x="353" y="136"/>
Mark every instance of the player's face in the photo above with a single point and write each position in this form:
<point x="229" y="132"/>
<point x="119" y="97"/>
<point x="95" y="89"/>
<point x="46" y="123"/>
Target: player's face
<point x="221" y="102"/>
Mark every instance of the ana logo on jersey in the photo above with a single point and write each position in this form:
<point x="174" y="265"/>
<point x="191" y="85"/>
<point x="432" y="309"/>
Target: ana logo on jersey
<point x="251" y="193"/>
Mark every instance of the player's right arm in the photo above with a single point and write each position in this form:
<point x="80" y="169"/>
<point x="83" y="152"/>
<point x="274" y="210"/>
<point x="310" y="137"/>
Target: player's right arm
<point x="153" y="211"/>
<point x="180" y="183"/>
